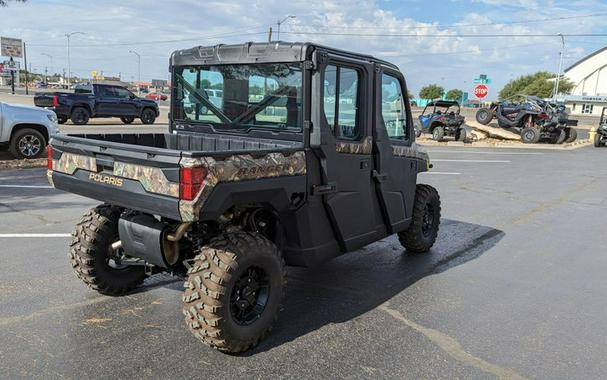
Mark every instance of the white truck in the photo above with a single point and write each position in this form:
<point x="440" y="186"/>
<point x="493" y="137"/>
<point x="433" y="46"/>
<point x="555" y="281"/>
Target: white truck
<point x="24" y="130"/>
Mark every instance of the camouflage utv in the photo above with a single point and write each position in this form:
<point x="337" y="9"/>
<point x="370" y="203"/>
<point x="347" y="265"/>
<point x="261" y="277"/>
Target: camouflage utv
<point x="308" y="153"/>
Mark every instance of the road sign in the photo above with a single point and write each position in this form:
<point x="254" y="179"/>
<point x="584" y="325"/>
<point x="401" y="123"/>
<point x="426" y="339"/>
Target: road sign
<point x="7" y="67"/>
<point x="11" y="47"/>
<point x="480" y="91"/>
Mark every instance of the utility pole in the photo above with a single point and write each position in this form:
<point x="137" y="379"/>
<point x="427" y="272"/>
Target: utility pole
<point x="25" y="63"/>
<point x="68" y="35"/>
<point x="46" y="75"/>
<point x="12" y="67"/>
<point x="51" y="58"/>
<point x="270" y="35"/>
<point x="138" y="71"/>
<point x="282" y="22"/>
<point x="558" y="76"/>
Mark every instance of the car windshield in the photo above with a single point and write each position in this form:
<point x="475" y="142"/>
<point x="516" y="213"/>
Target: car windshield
<point x="240" y="96"/>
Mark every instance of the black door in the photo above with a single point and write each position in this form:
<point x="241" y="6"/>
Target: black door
<point x="349" y="195"/>
<point x="127" y="102"/>
<point x="395" y="163"/>
<point x="106" y="101"/>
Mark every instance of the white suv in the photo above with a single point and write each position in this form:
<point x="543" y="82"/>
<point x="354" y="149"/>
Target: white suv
<point x="25" y="130"/>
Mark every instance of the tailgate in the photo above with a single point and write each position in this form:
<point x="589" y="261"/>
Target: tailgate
<point x="44" y="100"/>
<point x="132" y="176"/>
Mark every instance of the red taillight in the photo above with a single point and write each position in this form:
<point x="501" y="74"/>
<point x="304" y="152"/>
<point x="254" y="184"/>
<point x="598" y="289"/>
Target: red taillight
<point x="49" y="157"/>
<point x="55" y="101"/>
<point x="191" y="181"/>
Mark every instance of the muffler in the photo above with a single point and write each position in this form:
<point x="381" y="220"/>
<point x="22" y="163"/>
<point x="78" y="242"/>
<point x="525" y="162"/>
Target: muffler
<point x="144" y="237"/>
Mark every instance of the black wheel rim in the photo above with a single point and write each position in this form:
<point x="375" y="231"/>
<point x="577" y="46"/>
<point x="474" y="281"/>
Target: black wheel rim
<point x="529" y="135"/>
<point x="80" y="118"/>
<point x="482" y="115"/>
<point x="147" y="116"/>
<point x="428" y="220"/>
<point x="29" y="145"/>
<point x="250" y="296"/>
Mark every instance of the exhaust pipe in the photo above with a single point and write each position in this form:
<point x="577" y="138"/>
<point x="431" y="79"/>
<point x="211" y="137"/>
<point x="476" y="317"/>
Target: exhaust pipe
<point x="146" y="238"/>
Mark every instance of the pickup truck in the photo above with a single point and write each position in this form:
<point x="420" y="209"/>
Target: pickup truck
<point x="239" y="188"/>
<point x="98" y="100"/>
<point x="25" y="130"/>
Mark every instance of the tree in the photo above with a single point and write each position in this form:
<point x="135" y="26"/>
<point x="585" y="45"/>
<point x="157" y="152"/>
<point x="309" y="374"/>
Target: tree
<point x="455" y="94"/>
<point x="4" y="3"/>
<point x="538" y="84"/>
<point x="432" y="91"/>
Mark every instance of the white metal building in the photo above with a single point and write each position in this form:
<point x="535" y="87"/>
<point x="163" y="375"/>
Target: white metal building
<point x="589" y="75"/>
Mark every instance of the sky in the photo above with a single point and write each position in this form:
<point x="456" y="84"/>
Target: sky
<point x="435" y="54"/>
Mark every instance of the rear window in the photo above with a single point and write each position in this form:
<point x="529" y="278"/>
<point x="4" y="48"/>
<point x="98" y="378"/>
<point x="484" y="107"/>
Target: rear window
<point x="83" y="89"/>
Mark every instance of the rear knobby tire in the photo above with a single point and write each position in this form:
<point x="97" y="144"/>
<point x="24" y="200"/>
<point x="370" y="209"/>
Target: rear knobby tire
<point x="89" y="253"/>
<point x="423" y="230"/>
<point x="212" y="288"/>
<point x="484" y="116"/>
<point x="571" y="135"/>
<point x="461" y="135"/>
<point x="558" y="137"/>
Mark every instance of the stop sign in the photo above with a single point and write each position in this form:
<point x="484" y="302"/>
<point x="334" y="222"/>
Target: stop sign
<point x="480" y="91"/>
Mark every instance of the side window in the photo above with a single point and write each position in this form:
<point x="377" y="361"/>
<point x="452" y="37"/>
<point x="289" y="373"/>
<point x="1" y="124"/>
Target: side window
<point x="122" y="93"/>
<point x="107" y="92"/>
<point x="393" y="108"/>
<point x="340" y="99"/>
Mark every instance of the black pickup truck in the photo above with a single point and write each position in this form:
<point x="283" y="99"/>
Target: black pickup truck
<point x="308" y="153"/>
<point x="98" y="100"/>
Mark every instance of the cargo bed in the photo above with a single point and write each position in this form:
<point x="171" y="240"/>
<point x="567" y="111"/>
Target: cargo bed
<point x="142" y="171"/>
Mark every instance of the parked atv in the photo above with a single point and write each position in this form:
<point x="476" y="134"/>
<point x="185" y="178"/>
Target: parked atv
<point x="600" y="139"/>
<point x="534" y="119"/>
<point x="442" y="118"/>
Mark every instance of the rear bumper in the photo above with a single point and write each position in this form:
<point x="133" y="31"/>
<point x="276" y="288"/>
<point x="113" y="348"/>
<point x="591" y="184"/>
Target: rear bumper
<point x="130" y="195"/>
<point x="59" y="111"/>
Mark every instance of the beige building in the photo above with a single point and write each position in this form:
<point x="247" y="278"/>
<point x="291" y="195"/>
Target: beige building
<point x="589" y="75"/>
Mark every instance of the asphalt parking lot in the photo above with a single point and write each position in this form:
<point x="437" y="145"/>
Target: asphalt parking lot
<point x="514" y="288"/>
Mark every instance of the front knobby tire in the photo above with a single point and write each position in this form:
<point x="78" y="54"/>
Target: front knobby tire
<point x="222" y="307"/>
<point x="423" y="230"/>
<point x="438" y="134"/>
<point x="90" y="253"/>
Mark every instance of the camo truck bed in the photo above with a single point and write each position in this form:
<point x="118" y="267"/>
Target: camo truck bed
<point x="169" y="175"/>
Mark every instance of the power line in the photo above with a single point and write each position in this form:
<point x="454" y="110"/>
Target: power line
<point x="444" y="35"/>
<point x="451" y="26"/>
<point x="232" y="34"/>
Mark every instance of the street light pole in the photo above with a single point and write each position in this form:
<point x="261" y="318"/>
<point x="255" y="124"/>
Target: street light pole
<point x="138" y="71"/>
<point x="558" y="75"/>
<point x="68" y="35"/>
<point x="282" y="22"/>
<point x="51" y="58"/>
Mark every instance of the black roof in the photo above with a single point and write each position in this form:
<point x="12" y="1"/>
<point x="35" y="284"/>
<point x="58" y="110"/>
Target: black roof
<point x="442" y="103"/>
<point x="259" y="52"/>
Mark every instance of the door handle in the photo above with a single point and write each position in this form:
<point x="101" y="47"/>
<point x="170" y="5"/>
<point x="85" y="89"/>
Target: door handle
<point x="379" y="177"/>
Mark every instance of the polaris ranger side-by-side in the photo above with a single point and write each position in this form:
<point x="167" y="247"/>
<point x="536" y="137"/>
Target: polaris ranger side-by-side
<point x="303" y="158"/>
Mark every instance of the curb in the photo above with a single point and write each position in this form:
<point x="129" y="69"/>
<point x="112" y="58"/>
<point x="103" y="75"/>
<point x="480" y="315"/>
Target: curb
<point x="571" y="146"/>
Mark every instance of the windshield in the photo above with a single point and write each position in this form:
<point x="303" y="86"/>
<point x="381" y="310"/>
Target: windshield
<point x="240" y="96"/>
